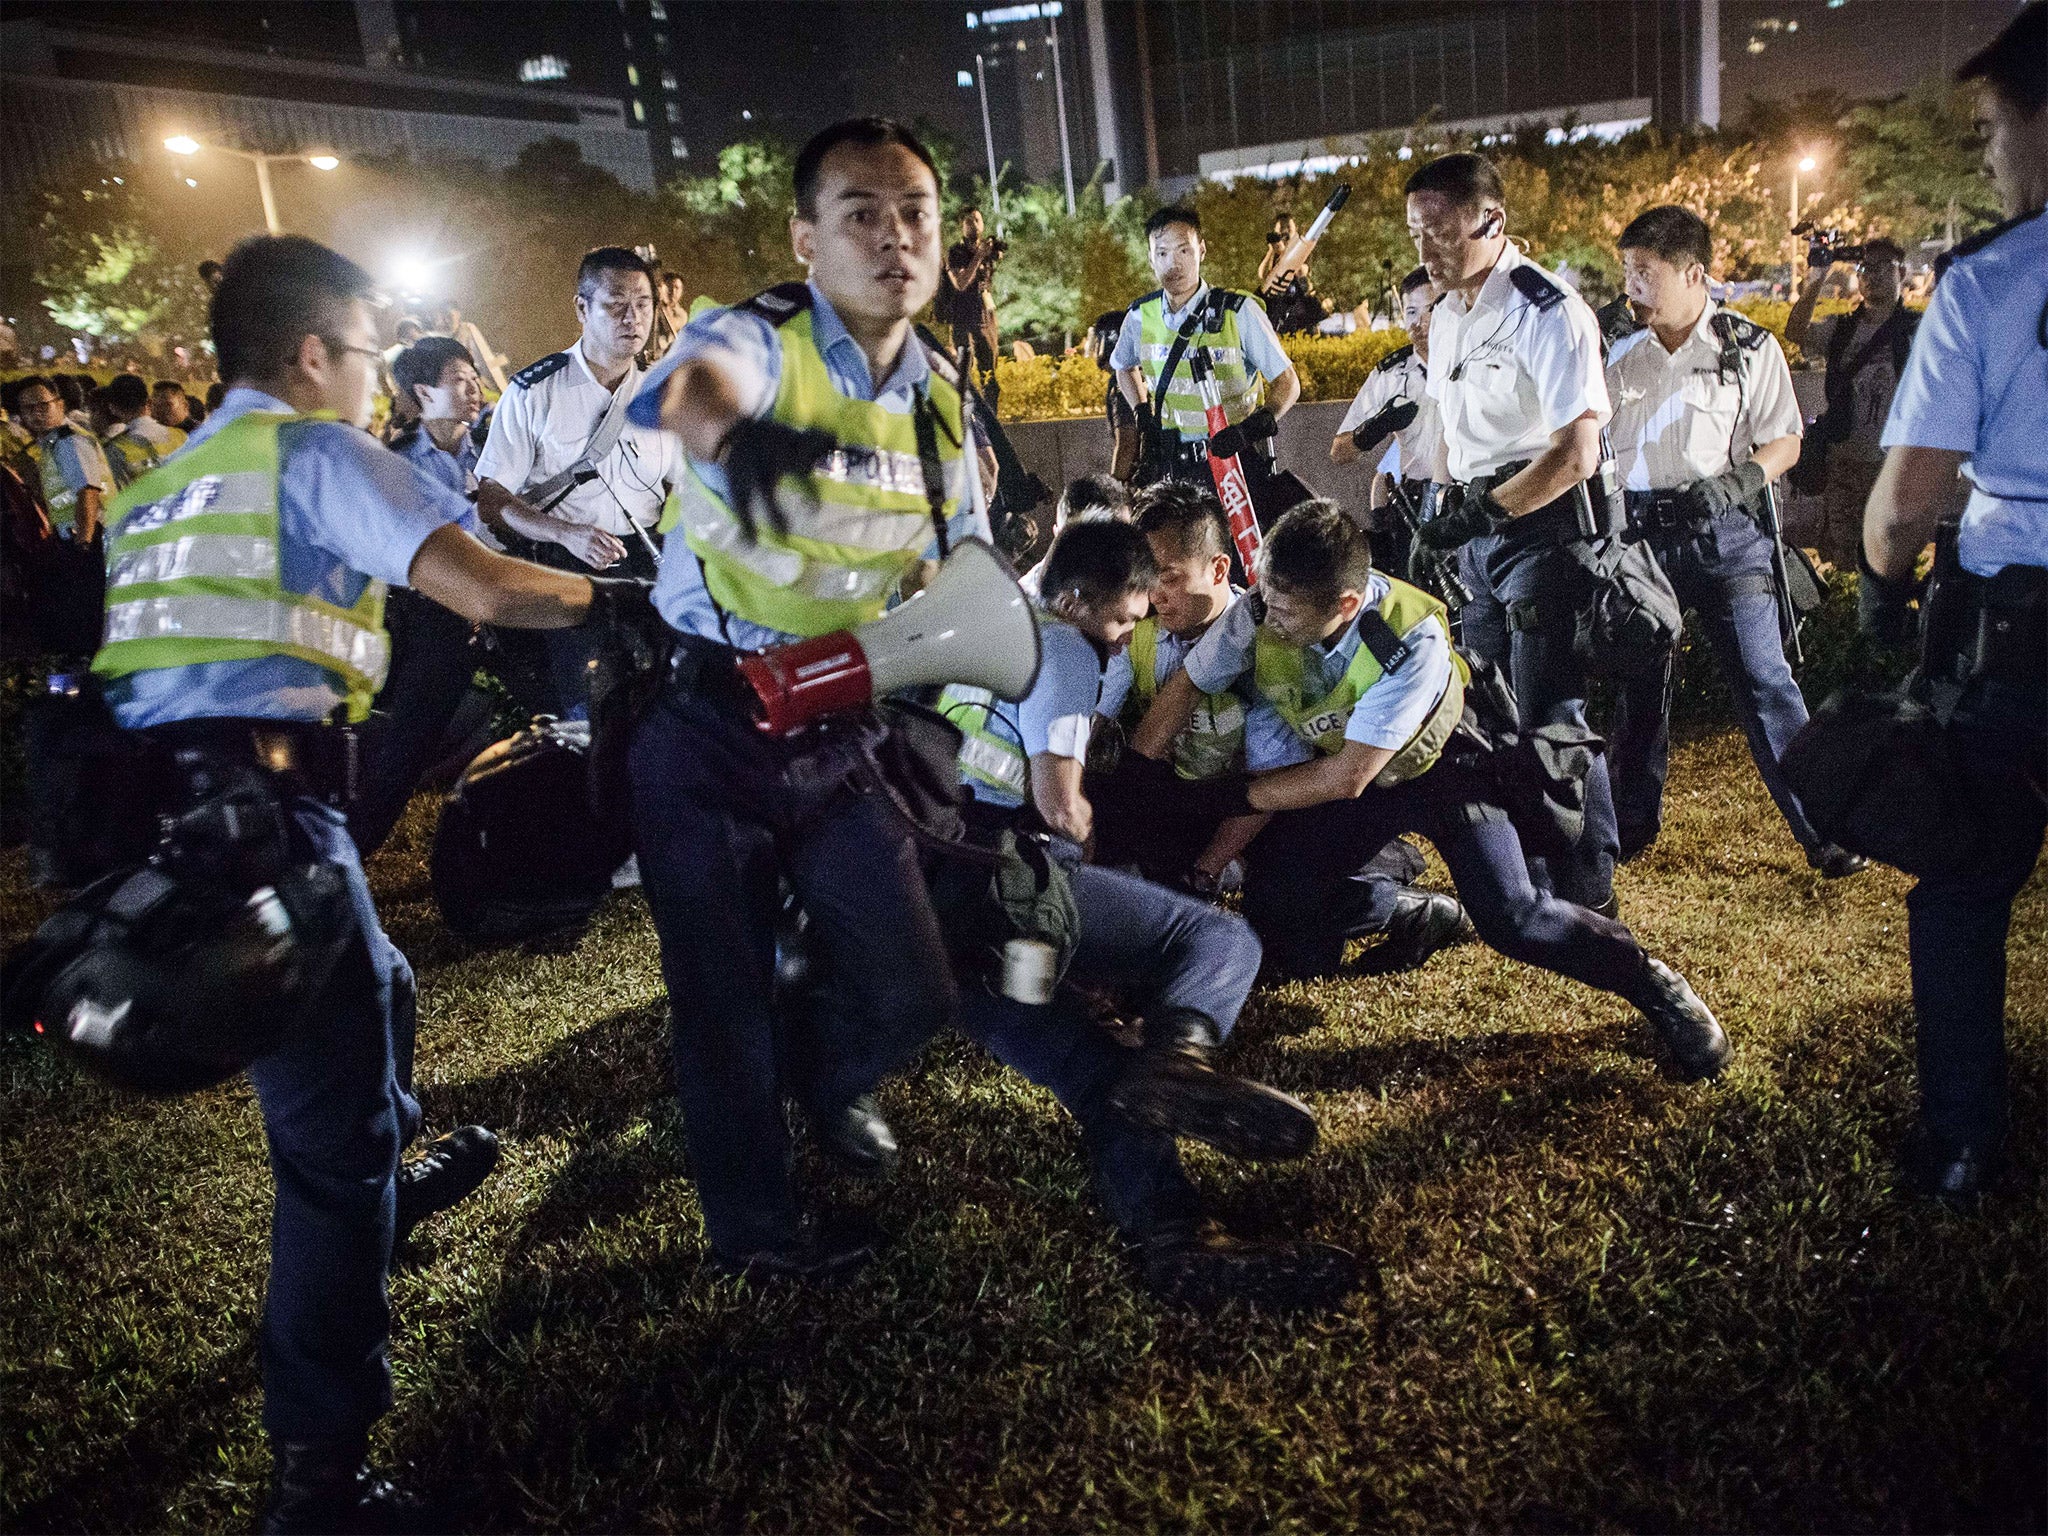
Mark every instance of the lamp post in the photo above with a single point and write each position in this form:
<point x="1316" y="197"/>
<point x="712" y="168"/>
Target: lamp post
<point x="185" y="144"/>
<point x="1803" y="163"/>
<point x="988" y="139"/>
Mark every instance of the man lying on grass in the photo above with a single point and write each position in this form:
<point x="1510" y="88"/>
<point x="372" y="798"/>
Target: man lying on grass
<point x="1361" y="668"/>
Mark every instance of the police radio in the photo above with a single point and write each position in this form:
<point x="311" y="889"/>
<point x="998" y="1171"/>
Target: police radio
<point x="972" y="625"/>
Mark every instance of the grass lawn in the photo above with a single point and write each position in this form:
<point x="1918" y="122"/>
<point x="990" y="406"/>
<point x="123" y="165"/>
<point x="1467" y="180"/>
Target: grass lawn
<point x="1596" y="1300"/>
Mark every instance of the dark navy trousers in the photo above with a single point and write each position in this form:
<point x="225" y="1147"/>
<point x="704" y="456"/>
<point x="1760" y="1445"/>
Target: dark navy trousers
<point x="1527" y="590"/>
<point x="722" y="813"/>
<point x="1722" y="574"/>
<point x="337" y="1108"/>
<point x="431" y="668"/>
<point x="1957" y="927"/>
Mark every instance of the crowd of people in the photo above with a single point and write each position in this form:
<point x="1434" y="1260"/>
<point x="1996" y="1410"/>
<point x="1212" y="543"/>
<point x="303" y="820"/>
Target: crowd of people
<point x="1261" y="704"/>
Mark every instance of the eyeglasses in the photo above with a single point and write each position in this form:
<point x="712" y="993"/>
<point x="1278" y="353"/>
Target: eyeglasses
<point x="336" y="344"/>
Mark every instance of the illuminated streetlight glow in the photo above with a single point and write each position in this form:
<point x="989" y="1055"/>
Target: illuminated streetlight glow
<point x="182" y="144"/>
<point x="411" y="272"/>
<point x="1806" y="163"/>
<point x="323" y="162"/>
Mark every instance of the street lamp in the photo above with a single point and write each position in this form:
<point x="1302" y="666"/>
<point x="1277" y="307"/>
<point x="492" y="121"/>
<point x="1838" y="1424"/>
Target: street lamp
<point x="1803" y="163"/>
<point x="185" y="144"/>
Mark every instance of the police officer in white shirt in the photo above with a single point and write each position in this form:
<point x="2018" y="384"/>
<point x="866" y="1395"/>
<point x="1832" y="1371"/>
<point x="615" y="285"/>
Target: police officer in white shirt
<point x="1394" y="401"/>
<point x="1704" y="421"/>
<point x="1515" y="367"/>
<point x="1974" y="401"/>
<point x="560" y="440"/>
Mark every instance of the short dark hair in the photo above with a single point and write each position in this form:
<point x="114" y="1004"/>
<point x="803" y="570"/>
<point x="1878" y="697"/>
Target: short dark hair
<point x="16" y="388"/>
<point x="1188" y="513"/>
<point x="1095" y="562"/>
<point x="275" y="291"/>
<point x="1316" y="552"/>
<point x="209" y="270"/>
<point x="2015" y="63"/>
<point x="1677" y="234"/>
<point x="1419" y="278"/>
<point x="1093" y="495"/>
<point x="867" y="133"/>
<point x="216" y="392"/>
<point x="609" y="258"/>
<point x="1173" y="213"/>
<point x="1884" y="246"/>
<point x="70" y="391"/>
<point x="1469" y="180"/>
<point x="126" y="392"/>
<point x="167" y="387"/>
<point x="424" y="362"/>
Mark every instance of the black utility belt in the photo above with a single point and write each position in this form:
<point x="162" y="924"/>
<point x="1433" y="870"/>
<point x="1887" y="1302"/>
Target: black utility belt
<point x="306" y="757"/>
<point x="1987" y="628"/>
<point x="1666" y="511"/>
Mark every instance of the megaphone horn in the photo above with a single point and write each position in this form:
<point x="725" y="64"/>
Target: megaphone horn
<point x="972" y="625"/>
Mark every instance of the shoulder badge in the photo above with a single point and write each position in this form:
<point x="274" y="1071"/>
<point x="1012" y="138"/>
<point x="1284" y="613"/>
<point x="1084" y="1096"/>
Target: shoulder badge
<point x="781" y="304"/>
<point x="1394" y="360"/>
<point x="1979" y="241"/>
<point x="1146" y="298"/>
<point x="547" y="367"/>
<point x="1740" y="329"/>
<point x="1535" y="285"/>
<point x="1230" y="299"/>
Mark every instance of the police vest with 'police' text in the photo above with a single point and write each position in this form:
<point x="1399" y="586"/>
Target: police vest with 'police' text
<point x="1178" y="404"/>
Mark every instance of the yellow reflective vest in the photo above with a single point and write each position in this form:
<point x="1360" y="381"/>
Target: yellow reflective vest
<point x="1179" y="405"/>
<point x="1213" y="743"/>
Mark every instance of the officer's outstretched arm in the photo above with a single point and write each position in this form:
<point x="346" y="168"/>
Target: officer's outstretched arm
<point x="1056" y="792"/>
<point x="700" y="404"/>
<point x="461" y="575"/>
<point x="1914" y="490"/>
<point x="1342" y="777"/>
<point x="1171" y="713"/>
<point x="1573" y="455"/>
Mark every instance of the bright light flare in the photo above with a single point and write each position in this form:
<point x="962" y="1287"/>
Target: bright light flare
<point x="1806" y="164"/>
<point x="182" y="144"/>
<point x="324" y="162"/>
<point x="410" y="272"/>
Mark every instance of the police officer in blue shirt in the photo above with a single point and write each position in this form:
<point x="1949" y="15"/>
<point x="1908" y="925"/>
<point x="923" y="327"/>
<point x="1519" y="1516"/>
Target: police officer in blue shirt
<point x="1973" y="402"/>
<point x="244" y="597"/>
<point x="1189" y="965"/>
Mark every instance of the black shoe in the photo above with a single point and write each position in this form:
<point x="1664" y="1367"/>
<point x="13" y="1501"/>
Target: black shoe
<point x="1423" y="923"/>
<point x="325" y="1486"/>
<point x="1609" y="909"/>
<point x="1202" y="1267"/>
<point x="1172" y="1086"/>
<point x="1836" y="863"/>
<point x="1686" y="1028"/>
<point x="1956" y="1173"/>
<point x="448" y="1171"/>
<point x="858" y="1139"/>
<point x="824" y="1250"/>
<point x="1636" y="841"/>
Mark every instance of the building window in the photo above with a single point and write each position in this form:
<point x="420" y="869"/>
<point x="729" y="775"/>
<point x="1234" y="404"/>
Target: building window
<point x="639" y="113"/>
<point x="633" y="75"/>
<point x="675" y="113"/>
<point x="668" y="83"/>
<point x="547" y="67"/>
<point x="678" y="149"/>
<point x="657" y="10"/>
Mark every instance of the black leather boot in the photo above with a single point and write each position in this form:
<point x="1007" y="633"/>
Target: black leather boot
<point x="826" y="1249"/>
<point x="1835" y="862"/>
<point x="1694" y="1044"/>
<point x="1200" y="1266"/>
<point x="448" y="1171"/>
<point x="1172" y="1085"/>
<point x="1423" y="923"/>
<point x="857" y="1138"/>
<point x="1955" y="1173"/>
<point x="326" y="1486"/>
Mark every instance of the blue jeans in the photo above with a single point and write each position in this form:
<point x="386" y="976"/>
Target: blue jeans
<point x="1722" y="573"/>
<point x="1527" y="590"/>
<point x="337" y="1107"/>
<point x="719" y="813"/>
<point x="1293" y="895"/>
<point x="1956" y="931"/>
<point x="1178" y="953"/>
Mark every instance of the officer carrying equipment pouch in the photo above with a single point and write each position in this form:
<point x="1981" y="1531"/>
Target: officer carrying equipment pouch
<point x="1024" y="894"/>
<point x="93" y="789"/>
<point x="1632" y="620"/>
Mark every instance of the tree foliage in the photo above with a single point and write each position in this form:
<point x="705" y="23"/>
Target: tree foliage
<point x="108" y="270"/>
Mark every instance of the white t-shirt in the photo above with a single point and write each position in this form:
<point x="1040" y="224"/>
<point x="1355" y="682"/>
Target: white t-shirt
<point x="1401" y="375"/>
<point x="1508" y="375"/>
<point x="1677" y="420"/>
<point x="544" y="421"/>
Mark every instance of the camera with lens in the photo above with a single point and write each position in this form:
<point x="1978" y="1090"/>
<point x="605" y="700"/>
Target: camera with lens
<point x="998" y="248"/>
<point x="1824" y="247"/>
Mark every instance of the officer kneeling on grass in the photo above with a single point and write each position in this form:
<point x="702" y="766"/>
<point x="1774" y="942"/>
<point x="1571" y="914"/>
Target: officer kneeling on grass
<point x="1186" y="966"/>
<point x="245" y="597"/>
<point x="1361" y="667"/>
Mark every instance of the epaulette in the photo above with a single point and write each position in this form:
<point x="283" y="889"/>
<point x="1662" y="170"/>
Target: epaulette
<point x="779" y="305"/>
<point x="1978" y="241"/>
<point x="1745" y="332"/>
<point x="1146" y="298"/>
<point x="1397" y="358"/>
<point x="1535" y="285"/>
<point x="546" y="368"/>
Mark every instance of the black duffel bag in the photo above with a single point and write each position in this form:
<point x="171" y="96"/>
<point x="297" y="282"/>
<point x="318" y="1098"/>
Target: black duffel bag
<point x="519" y="852"/>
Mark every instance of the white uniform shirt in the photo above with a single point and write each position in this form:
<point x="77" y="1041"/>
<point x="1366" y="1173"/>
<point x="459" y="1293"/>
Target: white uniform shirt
<point x="541" y="428"/>
<point x="1676" y="420"/>
<point x="1417" y="445"/>
<point x="1977" y="383"/>
<point x="1508" y="375"/>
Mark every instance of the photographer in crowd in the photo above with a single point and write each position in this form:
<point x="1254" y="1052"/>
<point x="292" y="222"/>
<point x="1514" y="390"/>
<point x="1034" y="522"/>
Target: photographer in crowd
<point x="968" y="305"/>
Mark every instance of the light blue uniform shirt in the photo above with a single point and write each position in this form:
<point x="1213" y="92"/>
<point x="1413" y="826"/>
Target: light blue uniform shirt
<point x="455" y="470"/>
<point x="1269" y="741"/>
<point x="1054" y="716"/>
<point x="79" y="460"/>
<point x="1977" y="383"/>
<point x="349" y="511"/>
<point x="1263" y="353"/>
<point x="745" y="344"/>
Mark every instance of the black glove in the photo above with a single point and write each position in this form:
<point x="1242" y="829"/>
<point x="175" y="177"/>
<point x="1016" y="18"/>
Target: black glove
<point x="1232" y="441"/>
<point x="757" y="454"/>
<point x="1883" y="605"/>
<point x="1476" y="513"/>
<point x="623" y="606"/>
<point x="1383" y="423"/>
<point x="1737" y="490"/>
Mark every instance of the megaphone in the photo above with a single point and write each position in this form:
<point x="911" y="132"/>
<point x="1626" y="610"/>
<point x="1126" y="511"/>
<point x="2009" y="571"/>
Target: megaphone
<point x="972" y="625"/>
